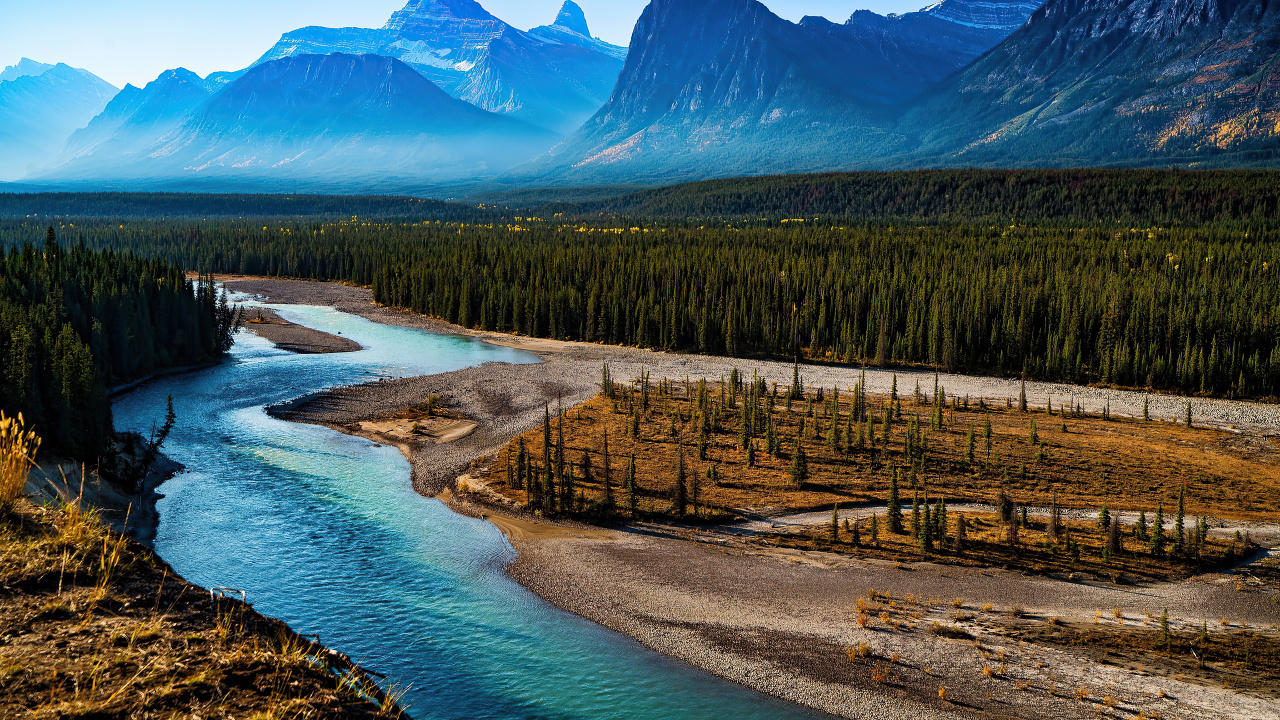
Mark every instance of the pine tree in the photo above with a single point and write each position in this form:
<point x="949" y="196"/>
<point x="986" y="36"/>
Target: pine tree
<point x="1180" y="535"/>
<point x="915" y="515"/>
<point x="522" y="465"/>
<point x="986" y="434"/>
<point x="940" y="521"/>
<point x="681" y="492"/>
<point x="1113" y="537"/>
<point x="799" y="466"/>
<point x="1157" y="532"/>
<point x="968" y="447"/>
<point x="894" y="514"/>
<point x="608" y="474"/>
<point x="633" y="491"/>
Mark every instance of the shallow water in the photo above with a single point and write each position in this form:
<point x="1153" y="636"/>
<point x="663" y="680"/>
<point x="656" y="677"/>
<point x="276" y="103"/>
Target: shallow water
<point x="324" y="531"/>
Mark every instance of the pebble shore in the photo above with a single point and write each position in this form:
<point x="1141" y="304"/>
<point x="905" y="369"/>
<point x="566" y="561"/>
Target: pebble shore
<point x="781" y="621"/>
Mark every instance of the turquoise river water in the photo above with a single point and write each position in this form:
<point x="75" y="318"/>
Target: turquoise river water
<point x="324" y="531"/>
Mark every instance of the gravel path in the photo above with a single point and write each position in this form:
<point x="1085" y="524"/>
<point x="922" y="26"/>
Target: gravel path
<point x="778" y="620"/>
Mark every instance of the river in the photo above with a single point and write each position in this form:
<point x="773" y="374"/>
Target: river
<point x="324" y="531"/>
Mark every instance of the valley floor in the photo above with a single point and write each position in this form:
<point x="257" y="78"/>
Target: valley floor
<point x="942" y="641"/>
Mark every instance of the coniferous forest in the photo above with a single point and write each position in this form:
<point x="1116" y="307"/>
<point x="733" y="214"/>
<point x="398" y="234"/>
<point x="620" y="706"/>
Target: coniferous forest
<point x="1097" y="287"/>
<point x="78" y="321"/>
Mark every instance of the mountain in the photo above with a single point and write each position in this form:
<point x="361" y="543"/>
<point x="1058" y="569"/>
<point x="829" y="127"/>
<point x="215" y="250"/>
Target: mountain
<point x="570" y="28"/>
<point x="1115" y="82"/>
<point x="134" y="121"/>
<point x="726" y="87"/>
<point x="1002" y="16"/>
<point x="554" y="77"/>
<point x="38" y="112"/>
<point x="312" y="121"/>
<point x="26" y="67"/>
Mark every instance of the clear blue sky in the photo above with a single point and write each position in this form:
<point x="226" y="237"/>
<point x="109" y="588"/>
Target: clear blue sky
<point x="135" y="40"/>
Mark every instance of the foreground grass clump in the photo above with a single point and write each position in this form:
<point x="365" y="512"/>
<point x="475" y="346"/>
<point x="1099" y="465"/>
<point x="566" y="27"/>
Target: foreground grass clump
<point x="94" y="625"/>
<point x="712" y="451"/>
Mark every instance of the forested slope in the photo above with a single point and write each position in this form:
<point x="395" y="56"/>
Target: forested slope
<point x="1192" y="309"/>
<point x="76" y="321"/>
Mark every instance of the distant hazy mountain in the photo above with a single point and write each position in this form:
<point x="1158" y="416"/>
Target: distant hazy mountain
<point x="310" y="121"/>
<point x="39" y="111"/>
<point x="1096" y="82"/>
<point x="132" y="123"/>
<point x="26" y="67"/>
<point x="554" y="76"/>
<point x="726" y="87"/>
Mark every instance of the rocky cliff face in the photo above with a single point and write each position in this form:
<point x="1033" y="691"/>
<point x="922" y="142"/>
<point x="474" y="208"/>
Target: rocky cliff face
<point x="554" y="79"/>
<point x="726" y="86"/>
<point x="1116" y="82"/>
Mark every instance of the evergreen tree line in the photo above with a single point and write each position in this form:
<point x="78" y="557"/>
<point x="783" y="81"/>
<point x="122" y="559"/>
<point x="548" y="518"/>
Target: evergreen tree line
<point x="1121" y="197"/>
<point x="75" y="322"/>
<point x="1187" y="309"/>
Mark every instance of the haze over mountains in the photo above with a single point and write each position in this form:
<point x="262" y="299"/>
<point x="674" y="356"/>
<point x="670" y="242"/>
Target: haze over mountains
<point x="446" y="93"/>
<point x="40" y="106"/>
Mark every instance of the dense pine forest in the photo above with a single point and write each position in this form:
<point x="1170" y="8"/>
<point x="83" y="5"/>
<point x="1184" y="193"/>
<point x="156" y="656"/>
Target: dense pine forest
<point x="1096" y="288"/>
<point x="77" y="322"/>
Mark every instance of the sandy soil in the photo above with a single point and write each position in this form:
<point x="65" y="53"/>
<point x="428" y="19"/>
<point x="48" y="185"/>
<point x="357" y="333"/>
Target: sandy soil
<point x="267" y="324"/>
<point x="781" y="621"/>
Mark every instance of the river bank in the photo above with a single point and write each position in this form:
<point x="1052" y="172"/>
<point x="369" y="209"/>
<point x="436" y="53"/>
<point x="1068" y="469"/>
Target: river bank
<point x="782" y="621"/>
<point x="95" y="625"/>
<point x="267" y="323"/>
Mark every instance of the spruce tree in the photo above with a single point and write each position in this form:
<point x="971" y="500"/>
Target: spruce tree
<point x="1140" y="530"/>
<point x="986" y="435"/>
<point x="1189" y="425"/>
<point x="633" y="491"/>
<point x="1180" y="535"/>
<point x="968" y="447"/>
<point x="1146" y="409"/>
<point x="875" y="530"/>
<point x="1157" y="532"/>
<point x="1104" y="518"/>
<point x="915" y="515"/>
<point x="608" y="474"/>
<point x="835" y="523"/>
<point x="894" y="513"/>
<point x="681" y="491"/>
<point x="940" y="521"/>
<point x="1022" y="395"/>
<point x="799" y="466"/>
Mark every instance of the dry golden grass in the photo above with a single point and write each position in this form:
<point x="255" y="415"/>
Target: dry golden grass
<point x="18" y="448"/>
<point x="96" y="626"/>
<point x="1125" y="464"/>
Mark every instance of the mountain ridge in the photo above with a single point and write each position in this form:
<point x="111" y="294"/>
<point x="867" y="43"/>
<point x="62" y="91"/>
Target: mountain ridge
<point x="555" y="79"/>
